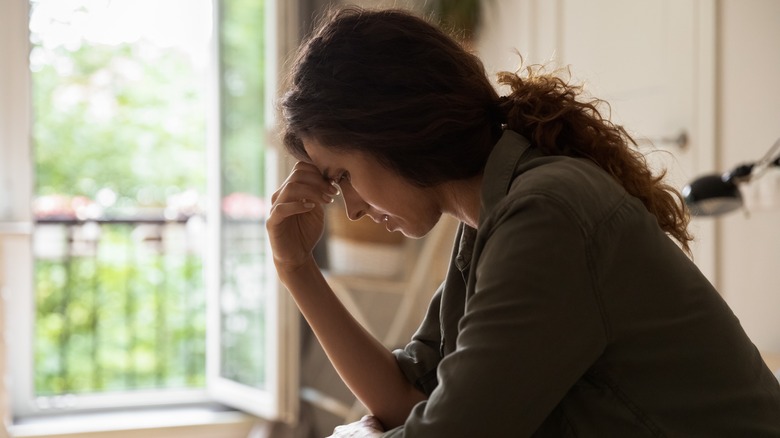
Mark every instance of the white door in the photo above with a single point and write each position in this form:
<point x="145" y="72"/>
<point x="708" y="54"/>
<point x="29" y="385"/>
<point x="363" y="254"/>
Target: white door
<point x="637" y="55"/>
<point x="652" y="60"/>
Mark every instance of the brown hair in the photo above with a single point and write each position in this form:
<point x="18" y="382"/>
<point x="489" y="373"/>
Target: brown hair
<point x="392" y="85"/>
<point x="550" y="113"/>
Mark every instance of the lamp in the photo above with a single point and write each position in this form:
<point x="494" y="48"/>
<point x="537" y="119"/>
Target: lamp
<point x="713" y="195"/>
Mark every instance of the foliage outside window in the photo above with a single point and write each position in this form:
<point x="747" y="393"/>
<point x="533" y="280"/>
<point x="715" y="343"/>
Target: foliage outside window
<point x="120" y="104"/>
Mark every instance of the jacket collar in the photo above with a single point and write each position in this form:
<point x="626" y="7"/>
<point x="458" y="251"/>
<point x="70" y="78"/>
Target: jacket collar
<point x="500" y="170"/>
<point x="498" y="175"/>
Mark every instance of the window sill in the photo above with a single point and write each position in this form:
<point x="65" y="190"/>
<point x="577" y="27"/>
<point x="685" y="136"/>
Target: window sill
<point x="15" y="228"/>
<point x="198" y="422"/>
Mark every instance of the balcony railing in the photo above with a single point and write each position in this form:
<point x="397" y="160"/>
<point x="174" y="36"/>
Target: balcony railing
<point x="120" y="305"/>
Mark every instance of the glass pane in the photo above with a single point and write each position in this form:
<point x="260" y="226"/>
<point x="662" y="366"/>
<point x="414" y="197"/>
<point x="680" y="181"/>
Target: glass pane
<point x="119" y="91"/>
<point x="243" y="306"/>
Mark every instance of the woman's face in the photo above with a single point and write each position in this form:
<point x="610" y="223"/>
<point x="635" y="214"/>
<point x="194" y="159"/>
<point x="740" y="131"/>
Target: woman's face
<point x="371" y="189"/>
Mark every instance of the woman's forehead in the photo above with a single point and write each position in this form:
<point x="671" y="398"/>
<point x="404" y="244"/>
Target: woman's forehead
<point x="324" y="158"/>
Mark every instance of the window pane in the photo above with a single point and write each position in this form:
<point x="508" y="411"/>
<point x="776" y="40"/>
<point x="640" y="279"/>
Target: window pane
<point x="243" y="303"/>
<point x="119" y="137"/>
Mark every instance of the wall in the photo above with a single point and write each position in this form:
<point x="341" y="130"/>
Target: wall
<point x="13" y="180"/>
<point x="749" y="123"/>
<point x="744" y="250"/>
<point x="507" y="31"/>
<point x="4" y="409"/>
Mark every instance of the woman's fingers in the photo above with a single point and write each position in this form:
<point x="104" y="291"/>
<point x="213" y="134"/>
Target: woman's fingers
<point x="367" y="427"/>
<point x="300" y="189"/>
<point x="296" y="220"/>
<point x="305" y="182"/>
<point x="295" y="198"/>
<point x="282" y="210"/>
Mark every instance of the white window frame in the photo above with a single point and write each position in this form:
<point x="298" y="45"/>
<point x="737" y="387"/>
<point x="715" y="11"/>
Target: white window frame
<point x="16" y="191"/>
<point x="279" y="401"/>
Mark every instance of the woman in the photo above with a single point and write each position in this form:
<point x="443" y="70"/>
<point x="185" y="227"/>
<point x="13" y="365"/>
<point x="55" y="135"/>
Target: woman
<point x="567" y="309"/>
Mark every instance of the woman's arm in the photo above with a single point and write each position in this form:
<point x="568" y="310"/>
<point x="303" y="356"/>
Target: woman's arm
<point x="366" y="366"/>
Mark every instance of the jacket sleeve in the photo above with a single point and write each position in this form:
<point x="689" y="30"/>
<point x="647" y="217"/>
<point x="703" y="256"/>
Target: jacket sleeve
<point x="530" y="331"/>
<point x="420" y="358"/>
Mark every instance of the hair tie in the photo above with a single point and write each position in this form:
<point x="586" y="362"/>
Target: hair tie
<point x="498" y="111"/>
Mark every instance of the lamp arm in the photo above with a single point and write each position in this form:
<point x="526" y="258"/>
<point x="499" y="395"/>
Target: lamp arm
<point x="771" y="158"/>
<point x="713" y="195"/>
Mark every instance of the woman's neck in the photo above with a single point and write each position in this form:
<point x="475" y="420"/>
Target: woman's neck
<point x="462" y="199"/>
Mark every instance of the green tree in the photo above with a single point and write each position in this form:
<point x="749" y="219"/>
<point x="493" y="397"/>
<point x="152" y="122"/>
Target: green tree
<point x="242" y="48"/>
<point x="130" y="118"/>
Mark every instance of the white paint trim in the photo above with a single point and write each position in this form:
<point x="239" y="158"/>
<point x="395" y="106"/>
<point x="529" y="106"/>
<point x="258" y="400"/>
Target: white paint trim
<point x="279" y="400"/>
<point x="15" y="193"/>
<point x="15" y="113"/>
<point x="174" y="423"/>
<point x="703" y="133"/>
<point x="213" y="253"/>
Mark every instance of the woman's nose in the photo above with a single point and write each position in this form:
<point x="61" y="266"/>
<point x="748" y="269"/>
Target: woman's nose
<point x="356" y="207"/>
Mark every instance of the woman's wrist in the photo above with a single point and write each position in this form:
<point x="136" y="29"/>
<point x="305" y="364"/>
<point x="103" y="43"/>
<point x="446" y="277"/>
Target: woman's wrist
<point x="289" y="272"/>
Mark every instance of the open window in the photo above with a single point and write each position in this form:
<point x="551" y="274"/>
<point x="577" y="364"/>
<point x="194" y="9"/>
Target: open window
<point x="135" y="167"/>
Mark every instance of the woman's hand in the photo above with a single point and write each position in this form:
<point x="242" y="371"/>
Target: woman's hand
<point x="366" y="427"/>
<point x="296" y="221"/>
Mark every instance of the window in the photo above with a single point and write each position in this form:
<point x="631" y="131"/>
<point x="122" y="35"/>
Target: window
<point x="144" y="278"/>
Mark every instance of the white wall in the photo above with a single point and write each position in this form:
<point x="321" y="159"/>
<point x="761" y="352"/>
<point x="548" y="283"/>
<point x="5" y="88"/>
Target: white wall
<point x="506" y="31"/>
<point x="747" y="95"/>
<point x="749" y="123"/>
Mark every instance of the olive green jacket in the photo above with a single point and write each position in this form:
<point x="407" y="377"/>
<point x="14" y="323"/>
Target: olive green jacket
<point x="569" y="312"/>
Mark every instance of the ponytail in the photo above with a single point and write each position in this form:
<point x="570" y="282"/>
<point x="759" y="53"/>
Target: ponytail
<point x="544" y="108"/>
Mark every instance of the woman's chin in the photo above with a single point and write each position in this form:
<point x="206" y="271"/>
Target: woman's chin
<point x="411" y="234"/>
<point x="413" y="230"/>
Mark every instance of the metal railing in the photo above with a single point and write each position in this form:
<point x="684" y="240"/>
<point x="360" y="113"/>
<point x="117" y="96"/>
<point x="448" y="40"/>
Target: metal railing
<point x="120" y="305"/>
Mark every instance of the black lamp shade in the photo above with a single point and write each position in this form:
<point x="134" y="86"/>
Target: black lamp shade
<point x="712" y="195"/>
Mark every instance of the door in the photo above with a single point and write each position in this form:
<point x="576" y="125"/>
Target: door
<point x="652" y="60"/>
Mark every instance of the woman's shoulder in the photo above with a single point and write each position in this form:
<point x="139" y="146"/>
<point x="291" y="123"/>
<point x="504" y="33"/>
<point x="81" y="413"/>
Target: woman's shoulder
<point x="577" y="184"/>
<point x="560" y="173"/>
<point x="518" y="177"/>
